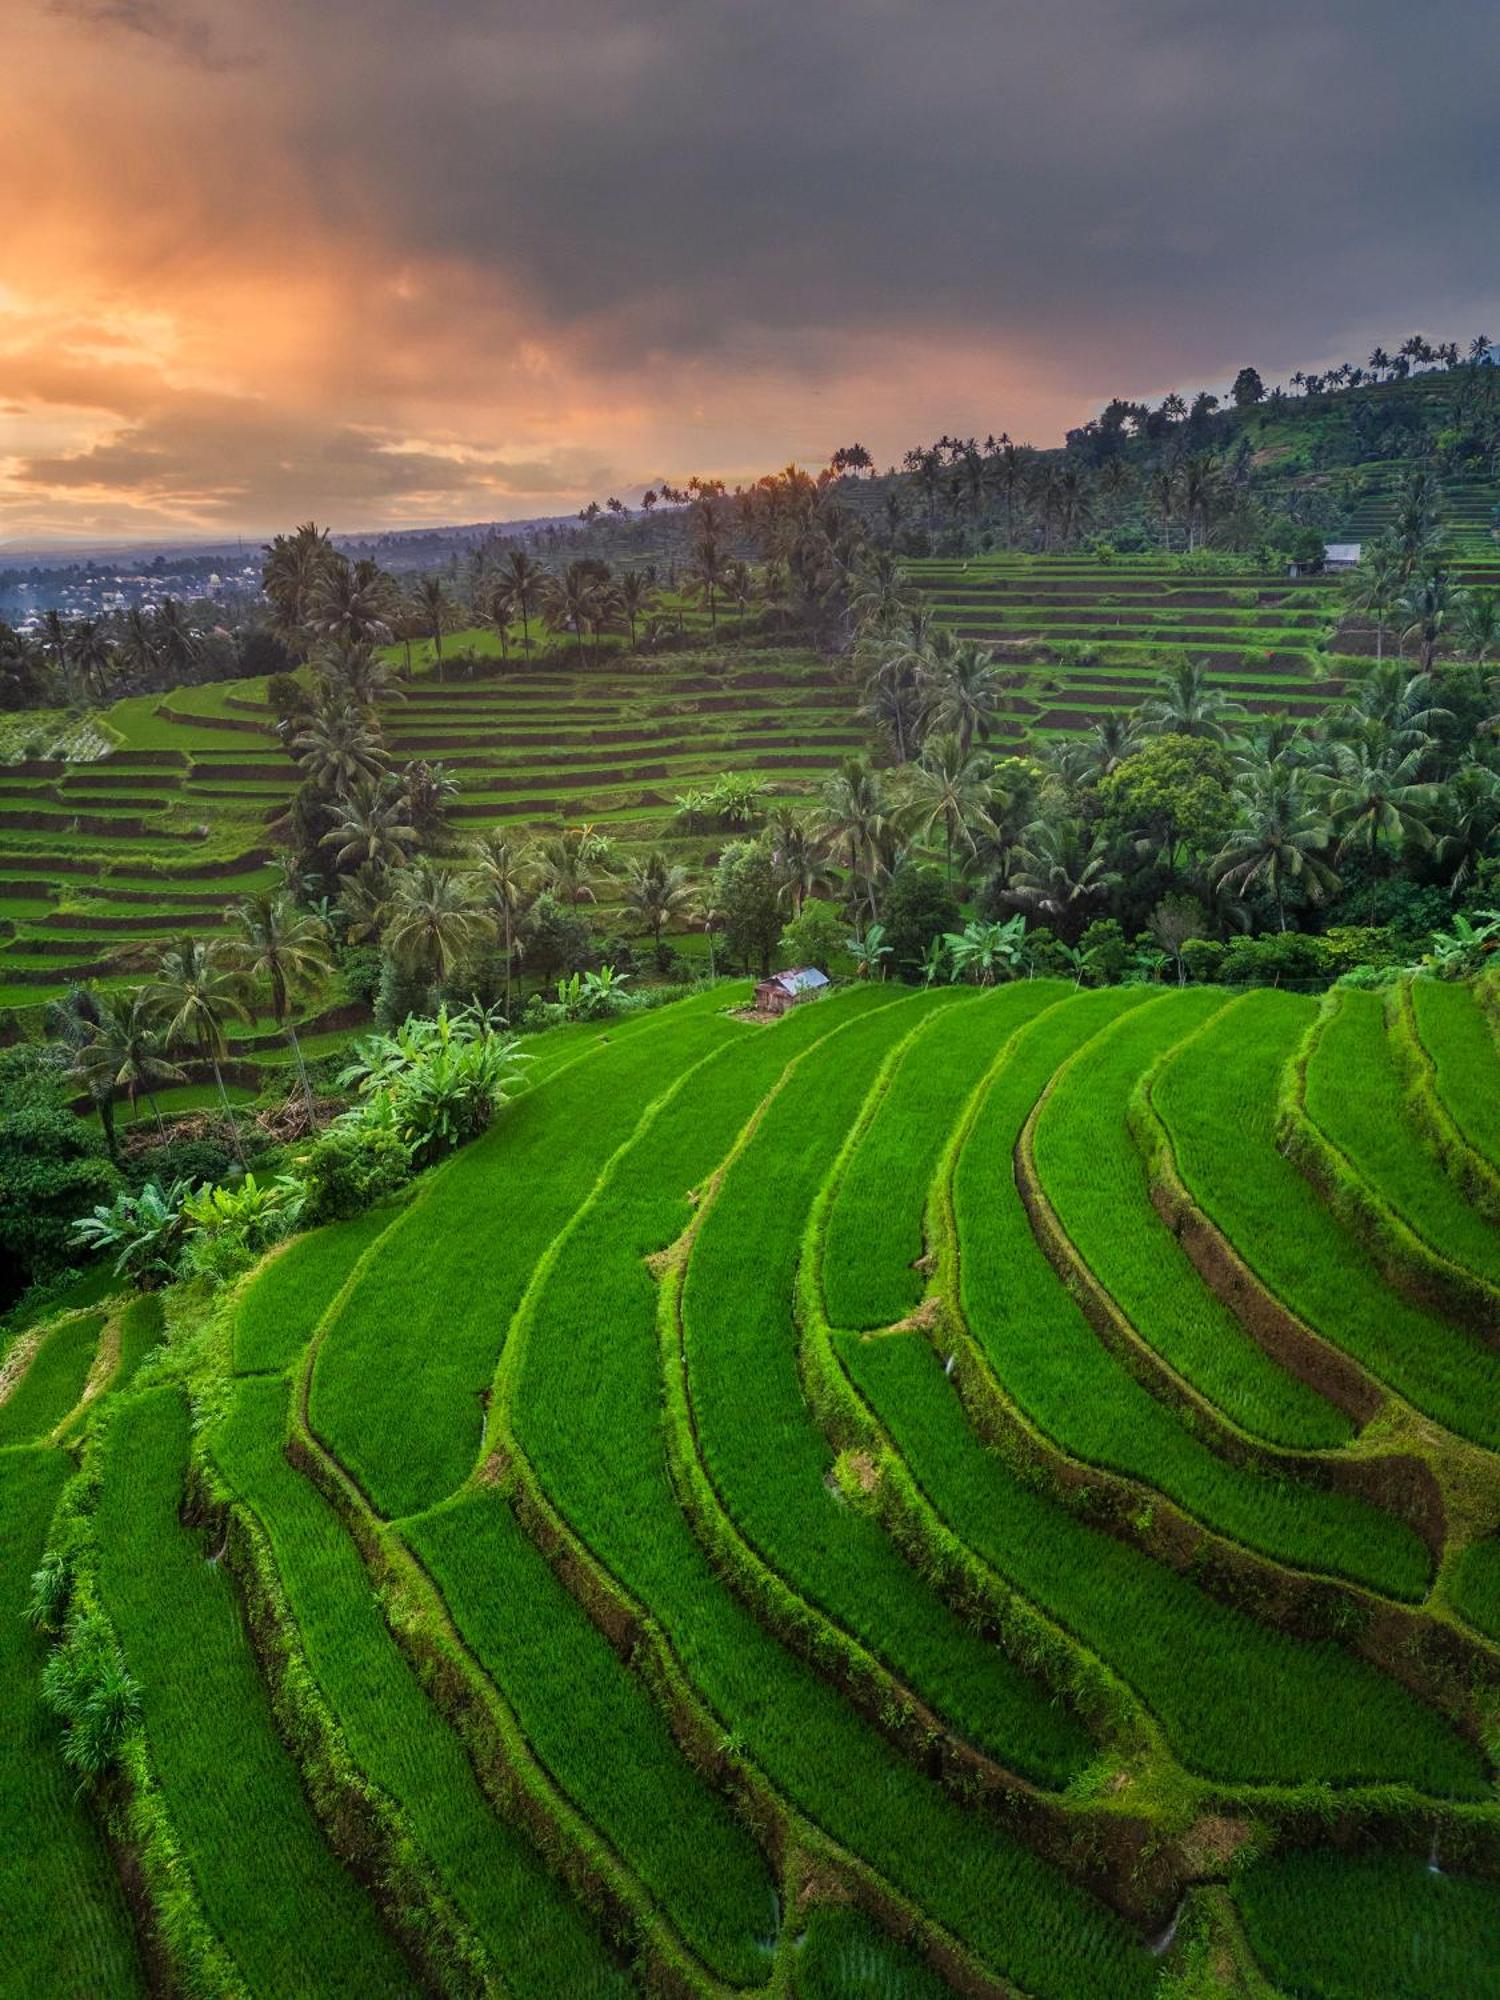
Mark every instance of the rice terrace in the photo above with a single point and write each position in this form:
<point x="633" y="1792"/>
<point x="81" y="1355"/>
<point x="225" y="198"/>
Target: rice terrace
<point x="749" y="1218"/>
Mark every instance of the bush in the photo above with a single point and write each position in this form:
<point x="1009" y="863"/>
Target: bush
<point x="53" y="1167"/>
<point x="918" y="907"/>
<point x="359" y="974"/>
<point x="1203" y="959"/>
<point x="142" y="1232"/>
<point x="1107" y="950"/>
<point x="557" y="938"/>
<point x="191" y="1160"/>
<point x="1274" y="959"/>
<point x="227" y="1228"/>
<point x="400" y="995"/>
<point x="349" y="1168"/>
<point x="435" y="1083"/>
<point x="815" y="936"/>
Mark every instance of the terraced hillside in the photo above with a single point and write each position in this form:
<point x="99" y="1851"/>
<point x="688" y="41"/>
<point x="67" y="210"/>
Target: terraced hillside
<point x="972" y="1488"/>
<point x="1466" y="511"/>
<point x="1089" y="639"/>
<point x="98" y="861"/>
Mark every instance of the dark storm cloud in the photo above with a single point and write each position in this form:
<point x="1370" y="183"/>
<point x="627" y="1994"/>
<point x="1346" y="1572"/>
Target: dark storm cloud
<point x="1165" y="180"/>
<point x="382" y="257"/>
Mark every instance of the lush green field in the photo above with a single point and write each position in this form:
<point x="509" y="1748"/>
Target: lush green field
<point x="785" y="1513"/>
<point x="1084" y="638"/>
<point x="99" y="862"/>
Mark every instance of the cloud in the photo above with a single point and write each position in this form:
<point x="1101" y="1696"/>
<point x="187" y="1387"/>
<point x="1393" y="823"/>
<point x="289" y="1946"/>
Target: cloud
<point x="170" y="27"/>
<point x="561" y="235"/>
<point x="229" y="462"/>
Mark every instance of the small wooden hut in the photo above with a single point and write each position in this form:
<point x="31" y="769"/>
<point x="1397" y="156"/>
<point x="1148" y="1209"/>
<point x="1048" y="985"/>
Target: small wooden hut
<point x="785" y="989"/>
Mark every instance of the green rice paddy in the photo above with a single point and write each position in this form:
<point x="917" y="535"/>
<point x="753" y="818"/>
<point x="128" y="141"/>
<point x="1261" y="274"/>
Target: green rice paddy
<point x="717" y="1536"/>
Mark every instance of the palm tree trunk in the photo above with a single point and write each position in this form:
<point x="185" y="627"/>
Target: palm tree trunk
<point x="239" y="1151"/>
<point x="307" y="1096"/>
<point x="106" y="1103"/>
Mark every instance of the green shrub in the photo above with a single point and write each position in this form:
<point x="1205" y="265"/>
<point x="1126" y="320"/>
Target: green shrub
<point x="433" y="1083"/>
<point x="349" y="1168"/>
<point x="228" y="1227"/>
<point x="142" y="1232"/>
<point x="815" y="936"/>
<point x="52" y="1167"/>
<point x="918" y="907"/>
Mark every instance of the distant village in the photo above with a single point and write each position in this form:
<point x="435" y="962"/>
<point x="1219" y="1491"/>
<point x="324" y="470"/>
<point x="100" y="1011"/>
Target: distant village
<point x="91" y="589"/>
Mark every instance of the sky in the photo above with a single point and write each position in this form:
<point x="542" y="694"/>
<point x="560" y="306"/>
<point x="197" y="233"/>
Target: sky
<point x="387" y="262"/>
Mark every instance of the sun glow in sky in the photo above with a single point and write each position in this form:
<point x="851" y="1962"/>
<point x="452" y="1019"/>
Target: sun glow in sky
<point x="395" y="261"/>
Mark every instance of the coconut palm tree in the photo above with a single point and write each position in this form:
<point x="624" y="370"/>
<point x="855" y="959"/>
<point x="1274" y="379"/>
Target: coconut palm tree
<point x="855" y="818"/>
<point x="1377" y="805"/>
<point x="1110" y="742"/>
<point x="363" y="901"/>
<point x="177" y="644"/>
<point x="879" y="591"/>
<point x="434" y="922"/>
<point x="282" y="948"/>
<point x="1278" y="839"/>
<point x="357" y="675"/>
<point x="570" y="601"/>
<point x="54" y="640"/>
<point x="137" y="1049"/>
<point x="900" y="664"/>
<point x="801" y="870"/>
<point x="339" y="748"/>
<point x="739" y="588"/>
<point x="1186" y="704"/>
<point x="353" y="606"/>
<point x="291" y="575"/>
<point x="504" y="873"/>
<point x="569" y="863"/>
<point x="1200" y="484"/>
<point x="710" y="571"/>
<point x="947" y="787"/>
<point x="371" y="828"/>
<point x="1163" y="488"/>
<point x="1374" y="590"/>
<point x="433" y="600"/>
<point x="1428" y="604"/>
<point x="1467" y="822"/>
<point x="138" y="646"/>
<point x="199" y="988"/>
<point x="1479" y="624"/>
<point x="963" y="690"/>
<point x="22" y="673"/>
<point x="1397" y="710"/>
<point x="1060" y="871"/>
<point x="91" y="656"/>
<point x="499" y="611"/>
<point x="635" y="591"/>
<point x="656" y="890"/>
<point x="82" y="1023"/>
<point x="524" y="579"/>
